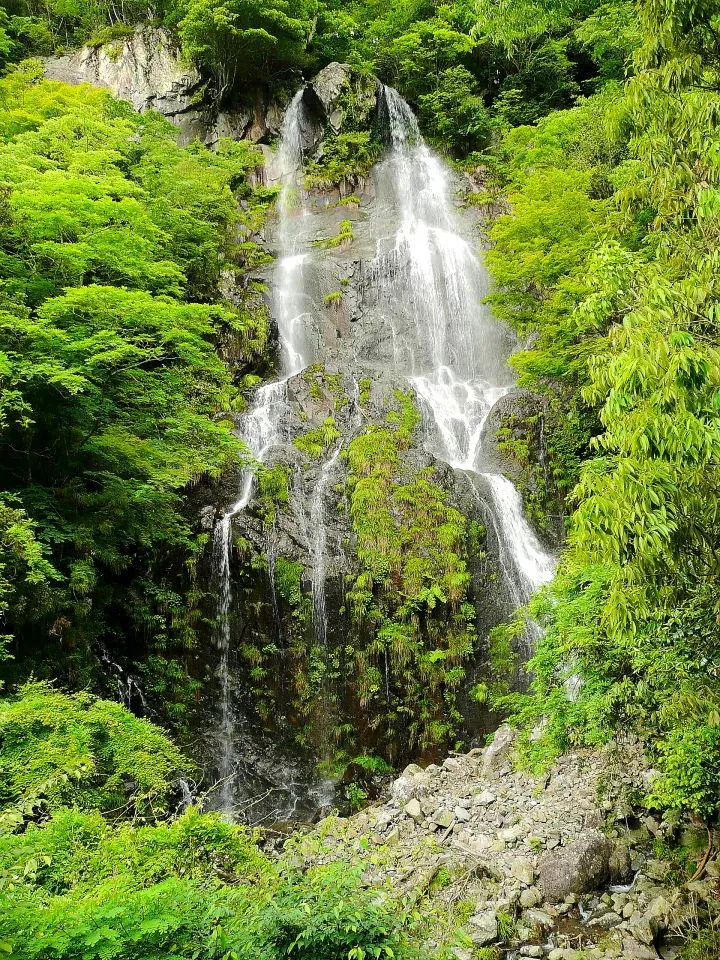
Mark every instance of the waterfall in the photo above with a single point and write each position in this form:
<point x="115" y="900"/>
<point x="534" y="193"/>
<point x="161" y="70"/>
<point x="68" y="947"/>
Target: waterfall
<point x="261" y="430"/>
<point x="318" y="549"/>
<point x="446" y="342"/>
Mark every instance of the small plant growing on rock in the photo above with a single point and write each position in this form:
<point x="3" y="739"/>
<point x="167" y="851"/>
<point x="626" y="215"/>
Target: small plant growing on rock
<point x="333" y="299"/>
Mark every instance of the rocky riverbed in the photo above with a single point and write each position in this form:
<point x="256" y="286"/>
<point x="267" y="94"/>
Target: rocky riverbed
<point x="501" y="863"/>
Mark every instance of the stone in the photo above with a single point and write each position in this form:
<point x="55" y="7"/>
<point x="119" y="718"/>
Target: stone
<point x="412" y="770"/>
<point x="462" y="953"/>
<point x="406" y="788"/>
<point x="484" y="928"/>
<point x="633" y="950"/>
<point x="480" y="843"/>
<point x="443" y="818"/>
<point x="641" y="930"/>
<point x="510" y="834"/>
<point x="452" y="763"/>
<point x="461" y="814"/>
<point x="530" y="897"/>
<point x="578" y="868"/>
<point x="658" y="914"/>
<point x="499" y="749"/>
<point x="531" y="951"/>
<point x="537" y="918"/>
<point x="619" y="862"/>
<point x="413" y="809"/>
<point x="484" y="799"/>
<point x="606" y="921"/>
<point x="523" y="870"/>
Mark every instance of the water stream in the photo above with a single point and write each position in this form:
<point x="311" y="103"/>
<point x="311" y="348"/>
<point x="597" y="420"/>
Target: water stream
<point x="452" y="350"/>
<point x="262" y="427"/>
<point x="431" y="284"/>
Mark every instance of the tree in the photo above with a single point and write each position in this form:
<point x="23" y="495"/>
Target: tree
<point x="240" y="40"/>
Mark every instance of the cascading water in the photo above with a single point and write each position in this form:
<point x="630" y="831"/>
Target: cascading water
<point x="318" y="549"/>
<point x="262" y="427"/>
<point x="445" y="340"/>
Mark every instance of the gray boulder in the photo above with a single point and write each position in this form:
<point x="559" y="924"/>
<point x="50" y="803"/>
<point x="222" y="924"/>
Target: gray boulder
<point x="499" y="749"/>
<point x="582" y="866"/>
<point x="483" y="928"/>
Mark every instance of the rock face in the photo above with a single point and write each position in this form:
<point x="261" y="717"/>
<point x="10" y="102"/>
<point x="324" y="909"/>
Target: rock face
<point x="578" y="868"/>
<point x="145" y="69"/>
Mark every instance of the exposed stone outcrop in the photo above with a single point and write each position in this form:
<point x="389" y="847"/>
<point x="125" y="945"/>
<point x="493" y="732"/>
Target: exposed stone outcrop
<point x="143" y="68"/>
<point x="146" y="69"/>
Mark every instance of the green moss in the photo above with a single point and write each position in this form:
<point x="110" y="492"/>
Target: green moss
<point x="288" y="580"/>
<point x="333" y="299"/>
<point x="273" y="491"/>
<point x="346" y="157"/>
<point x="410" y="598"/>
<point x="365" y="387"/>
<point x="344" y="237"/>
<point x="316" y="442"/>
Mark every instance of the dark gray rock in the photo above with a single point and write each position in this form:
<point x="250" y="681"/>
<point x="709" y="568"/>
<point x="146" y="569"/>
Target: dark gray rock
<point x="578" y="868"/>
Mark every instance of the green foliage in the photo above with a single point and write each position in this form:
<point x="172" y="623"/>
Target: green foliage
<point x="77" y="750"/>
<point x="343" y="238"/>
<point x="112" y="247"/>
<point x="409" y="601"/>
<point x="241" y="40"/>
<point x="74" y="882"/>
<point x="316" y="442"/>
<point x="347" y="157"/>
<point x="626" y="327"/>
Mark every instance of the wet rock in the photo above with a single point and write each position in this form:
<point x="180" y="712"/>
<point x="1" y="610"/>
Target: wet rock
<point x="539" y="919"/>
<point x="578" y="868"/>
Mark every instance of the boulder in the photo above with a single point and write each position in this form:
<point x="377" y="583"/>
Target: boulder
<point x="523" y="870"/>
<point x="337" y="81"/>
<point x="578" y="868"/>
<point x="499" y="749"/>
<point x="483" y="928"/>
<point x="414" y="810"/>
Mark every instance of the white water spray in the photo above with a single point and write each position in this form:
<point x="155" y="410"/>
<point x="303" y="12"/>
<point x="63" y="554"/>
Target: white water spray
<point x="318" y="548"/>
<point x="448" y="345"/>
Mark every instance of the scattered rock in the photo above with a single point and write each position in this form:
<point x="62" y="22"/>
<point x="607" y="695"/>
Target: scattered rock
<point x="523" y="870"/>
<point x="499" y="749"/>
<point x="484" y="799"/>
<point x="413" y="809"/>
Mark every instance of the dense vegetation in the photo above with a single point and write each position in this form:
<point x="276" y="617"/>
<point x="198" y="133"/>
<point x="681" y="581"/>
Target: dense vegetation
<point x="91" y="867"/>
<point x="594" y="128"/>
<point x="113" y="244"/>
<point x="608" y="257"/>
